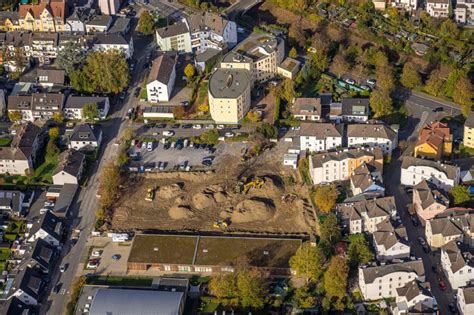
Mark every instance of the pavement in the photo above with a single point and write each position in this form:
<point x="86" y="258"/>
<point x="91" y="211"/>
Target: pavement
<point x="239" y="7"/>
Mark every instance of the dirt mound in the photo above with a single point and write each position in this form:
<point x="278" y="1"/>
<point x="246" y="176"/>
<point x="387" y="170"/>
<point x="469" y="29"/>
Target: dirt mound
<point x="220" y="197"/>
<point x="180" y="212"/>
<point x="203" y="200"/>
<point x="252" y="210"/>
<point x="169" y="191"/>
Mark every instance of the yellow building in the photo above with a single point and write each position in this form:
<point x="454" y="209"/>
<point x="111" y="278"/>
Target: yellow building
<point x="9" y="21"/>
<point x="43" y="17"/>
<point x="468" y="139"/>
<point x="434" y="141"/>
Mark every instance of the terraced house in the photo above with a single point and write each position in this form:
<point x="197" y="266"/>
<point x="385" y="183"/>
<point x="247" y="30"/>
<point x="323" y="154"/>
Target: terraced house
<point x="434" y="141"/>
<point x="47" y="16"/>
<point x="454" y="226"/>
<point x="372" y="135"/>
<point x="40" y="106"/>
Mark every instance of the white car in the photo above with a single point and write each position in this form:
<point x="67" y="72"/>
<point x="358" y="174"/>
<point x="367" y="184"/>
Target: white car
<point x="49" y="203"/>
<point x="240" y="30"/>
<point x="197" y="126"/>
<point x="168" y="133"/>
<point x="96" y="253"/>
<point x="229" y="134"/>
<point x="149" y="146"/>
<point x="371" y="81"/>
<point x="209" y="126"/>
<point x="220" y="126"/>
<point x="144" y="144"/>
<point x="349" y="81"/>
<point x="43" y="210"/>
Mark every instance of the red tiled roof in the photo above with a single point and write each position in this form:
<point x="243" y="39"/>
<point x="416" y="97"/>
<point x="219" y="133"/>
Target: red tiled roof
<point x="56" y="8"/>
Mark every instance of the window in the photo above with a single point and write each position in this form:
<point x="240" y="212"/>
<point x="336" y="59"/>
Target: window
<point x="167" y="267"/>
<point x="183" y="268"/>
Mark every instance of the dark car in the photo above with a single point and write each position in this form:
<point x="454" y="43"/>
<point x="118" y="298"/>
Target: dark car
<point x="452" y="308"/>
<point x="426" y="249"/>
<point x="414" y="220"/>
<point x="137" y="91"/>
<point x="187" y="126"/>
<point x="207" y="162"/>
<point x="438" y="109"/>
<point x="160" y="126"/>
<point x="57" y="287"/>
<point x="203" y="146"/>
<point x="122" y="95"/>
<point x="434" y="268"/>
<point x="175" y="126"/>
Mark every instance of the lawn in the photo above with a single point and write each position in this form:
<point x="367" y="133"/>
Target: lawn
<point x="202" y="94"/>
<point x="209" y="304"/>
<point x="464" y="152"/>
<point x="4" y="254"/>
<point x="120" y="281"/>
<point x="44" y="172"/>
<point x="5" y="141"/>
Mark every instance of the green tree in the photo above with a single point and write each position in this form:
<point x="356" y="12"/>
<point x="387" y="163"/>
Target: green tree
<point x="410" y="76"/>
<point x="90" y="111"/>
<point x="359" y="250"/>
<point x="460" y="195"/>
<point x="329" y="230"/>
<point x="287" y="91"/>
<point x="335" y="283"/>
<point x="52" y="150"/>
<point x="325" y="197"/>
<point x="449" y="29"/>
<point x="251" y="288"/>
<point x="267" y="130"/>
<point x="320" y="60"/>
<point x="58" y="117"/>
<point x="224" y="288"/>
<point x="304" y="298"/>
<point x="308" y="261"/>
<point x="380" y="103"/>
<point x="14" y="116"/>
<point x="253" y="116"/>
<point x="385" y="79"/>
<point x="53" y="132"/>
<point x="146" y="23"/>
<point x="210" y="137"/>
<point x="435" y="83"/>
<point x="463" y="95"/>
<point x="340" y="65"/>
<point x="80" y="81"/>
<point x="189" y="71"/>
<point x="70" y="57"/>
<point x="108" y="184"/>
<point x="293" y="53"/>
<point x="452" y="81"/>
<point x="127" y="134"/>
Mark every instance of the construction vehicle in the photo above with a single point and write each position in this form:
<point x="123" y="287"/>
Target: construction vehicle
<point x="288" y="198"/>
<point x="242" y="187"/>
<point x="150" y="194"/>
<point x="220" y="224"/>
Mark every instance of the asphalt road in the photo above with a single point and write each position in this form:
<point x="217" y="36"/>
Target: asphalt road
<point x="241" y="6"/>
<point x="168" y="9"/>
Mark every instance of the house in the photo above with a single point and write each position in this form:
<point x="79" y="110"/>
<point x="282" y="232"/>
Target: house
<point x="457" y="226"/>
<point x="73" y="108"/>
<point x="37" y="105"/>
<point x="428" y="200"/>
<point x="210" y="254"/>
<point x="76" y="21"/>
<point x="465" y="300"/>
<point x="289" y="68"/>
<point x="19" y="157"/>
<point x="438" y="8"/>
<point x="162" y="76"/>
<point x="9" y="21"/>
<point x="316" y="137"/>
<point x="14" y="306"/>
<point x="28" y="286"/>
<point x="86" y="137"/>
<point x="363" y="216"/>
<point x="457" y="261"/>
<point x="48" y="227"/>
<point x="372" y="135"/>
<point x="414" y="170"/>
<point x="379" y="5"/>
<point x="175" y="37"/>
<point x="109" y="7"/>
<point x="468" y="139"/>
<point x="47" y="16"/>
<point x="329" y="167"/>
<point x="206" y="59"/>
<point x="380" y="282"/>
<point x="306" y="108"/>
<point x="44" y="76"/>
<point x="98" y="24"/>
<point x="128" y="302"/>
<point x="367" y="180"/>
<point x="434" y="141"/>
<point x="464" y="12"/>
<point x="13" y="43"/>
<point x="210" y="30"/>
<point x="350" y="110"/>
<point x="420" y="48"/>
<point x="409" y="5"/>
<point x="229" y="95"/>
<point x="391" y="240"/>
<point x="41" y="257"/>
<point x="117" y="42"/>
<point x="11" y="201"/>
<point x="290" y="159"/>
<point x="44" y="47"/>
<point x="120" y="25"/>
<point x="414" y="298"/>
<point x="70" y="167"/>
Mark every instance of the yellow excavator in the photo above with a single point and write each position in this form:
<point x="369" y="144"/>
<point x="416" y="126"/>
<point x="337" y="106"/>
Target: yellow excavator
<point x="256" y="182"/>
<point x="150" y="194"/>
<point x="220" y="224"/>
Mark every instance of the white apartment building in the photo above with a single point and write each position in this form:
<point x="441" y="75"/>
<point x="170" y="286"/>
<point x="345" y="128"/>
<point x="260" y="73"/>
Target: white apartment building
<point x="210" y="30"/>
<point x="73" y="108"/>
<point x="175" y="37"/>
<point x="390" y="240"/>
<point x="306" y="108"/>
<point x="457" y="261"/>
<point x="161" y="78"/>
<point x="409" y="5"/>
<point x="379" y="135"/>
<point x="380" y="282"/>
<point x="464" y="12"/>
<point x="86" y="137"/>
<point x="316" y="137"/>
<point x="438" y="8"/>
<point x="119" y="42"/>
<point x="455" y="226"/>
<point x="413" y="298"/>
<point x="414" y="170"/>
<point x="465" y="300"/>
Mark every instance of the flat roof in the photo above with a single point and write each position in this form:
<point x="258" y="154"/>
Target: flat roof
<point x="229" y="83"/>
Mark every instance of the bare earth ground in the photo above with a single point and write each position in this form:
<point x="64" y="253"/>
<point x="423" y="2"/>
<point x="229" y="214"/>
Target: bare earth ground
<point x="193" y="201"/>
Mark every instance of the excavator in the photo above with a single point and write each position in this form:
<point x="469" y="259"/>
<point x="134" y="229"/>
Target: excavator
<point x="220" y="224"/>
<point x="150" y="194"/>
<point x="242" y="187"/>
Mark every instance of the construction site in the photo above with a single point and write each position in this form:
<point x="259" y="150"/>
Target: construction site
<point x="239" y="196"/>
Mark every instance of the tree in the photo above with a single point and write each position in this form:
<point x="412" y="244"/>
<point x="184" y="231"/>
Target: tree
<point x="127" y="134"/>
<point x="308" y="261"/>
<point x="253" y="116"/>
<point x="14" y="116"/>
<point x="288" y="91"/>
<point x="90" y="111"/>
<point x="204" y="108"/>
<point x="52" y="150"/>
<point x="339" y="65"/>
<point x="70" y="57"/>
<point x="329" y="230"/>
<point x="53" y="132"/>
<point x="320" y="60"/>
<point x="452" y="81"/>
<point x="178" y="112"/>
<point x="189" y="71"/>
<point x="325" y="197"/>
<point x="303" y="298"/>
<point x="267" y="130"/>
<point x="460" y="195"/>
<point x="463" y="95"/>
<point x="251" y="288"/>
<point x="109" y="183"/>
<point x="435" y="83"/>
<point x="293" y="53"/>
<point x="359" y="250"/>
<point x="210" y="137"/>
<point x="224" y="287"/>
<point x="449" y="29"/>
<point x="380" y="103"/>
<point x="146" y="23"/>
<point x="335" y="283"/>
<point x="58" y="117"/>
<point x="385" y="79"/>
<point x="296" y="34"/>
<point x="80" y="81"/>
<point x="410" y="76"/>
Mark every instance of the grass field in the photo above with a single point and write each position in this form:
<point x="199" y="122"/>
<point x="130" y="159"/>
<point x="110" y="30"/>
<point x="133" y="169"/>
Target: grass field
<point x="5" y="142"/>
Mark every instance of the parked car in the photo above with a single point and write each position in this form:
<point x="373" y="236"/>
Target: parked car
<point x="452" y="308"/>
<point x="63" y="268"/>
<point x="371" y="81"/>
<point x="144" y="144"/>
<point x="206" y="162"/>
<point x="240" y="30"/>
<point x="197" y="126"/>
<point x="438" y="109"/>
<point x="414" y="220"/>
<point x="426" y="249"/>
<point x="168" y="133"/>
<point x="229" y="134"/>
<point x="149" y="146"/>
<point x="57" y="288"/>
<point x="93" y="263"/>
<point x="175" y="126"/>
<point x="116" y="257"/>
<point x="349" y="81"/>
<point x="210" y="126"/>
<point x="220" y="127"/>
<point x="44" y="210"/>
<point x="187" y="126"/>
<point x="137" y="91"/>
<point x="122" y="95"/>
<point x="365" y="87"/>
<point x="421" y="240"/>
<point x="442" y="285"/>
<point x="96" y="253"/>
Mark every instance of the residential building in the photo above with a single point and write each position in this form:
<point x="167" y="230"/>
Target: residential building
<point x="207" y="59"/>
<point x="434" y="141"/>
<point x="14" y="306"/>
<point x="259" y="54"/>
<point x="465" y="300"/>
<point x="210" y="30"/>
<point x="47" y="16"/>
<point x="336" y="166"/>
<point x="409" y="5"/>
<point x="379" y="5"/>
<point x="381" y="282"/>
<point x="86" y="137"/>
<point x="446" y="228"/>
<point x="28" y="286"/>
<point x="414" y="170"/>
<point x="76" y="22"/>
<point x="11" y="202"/>
<point x="316" y="137"/>
<point x="367" y="180"/>
<point x="44" y="76"/>
<point x="306" y="108"/>
<point x="109" y="7"/>
<point x="438" y="8"/>
<point x="289" y="68"/>
<point x="468" y="139"/>
<point x="350" y="110"/>
<point x="290" y="159"/>
<point x="41" y="257"/>
<point x="371" y="135"/>
<point x="162" y="77"/>
<point x="414" y="298"/>
<point x="48" y="227"/>
<point x="464" y="12"/>
<point x="428" y="200"/>
<point x="44" y="47"/>
<point x="391" y="240"/>
<point x="120" y="25"/>
<point x="118" y="42"/>
<point x="9" y="21"/>
<point x="363" y="216"/>
<point x="73" y="108"/>
<point x="175" y="37"/>
<point x="98" y="24"/>
<point x="19" y="157"/>
<point x="457" y="261"/>
<point x="210" y="254"/>
<point x="70" y="168"/>
<point x="37" y="105"/>
<point x="229" y="95"/>
<point x="128" y="302"/>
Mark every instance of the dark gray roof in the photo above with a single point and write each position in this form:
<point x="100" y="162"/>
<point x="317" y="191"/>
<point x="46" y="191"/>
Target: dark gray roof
<point x="21" y="147"/>
<point x="326" y="99"/>
<point x="321" y="158"/>
<point x="99" y="20"/>
<point x="373" y="208"/>
<point x="51" y="38"/>
<point x="70" y="162"/>
<point x="11" y="199"/>
<point x="86" y="132"/>
<point x="459" y="255"/>
<point x="450" y="170"/>
<point x="371" y="131"/>
<point x="413" y="289"/>
<point x="365" y="176"/>
<point x="14" y="306"/>
<point x="207" y="55"/>
<point x="42" y="254"/>
<point x="162" y="67"/>
<point x="76" y="101"/>
<point x="355" y="107"/>
<point x="207" y="21"/>
<point x="30" y="282"/>
<point x="306" y="106"/>
<point x="49" y="223"/>
<point x="389" y="233"/>
<point x="452" y="225"/>
<point x="120" y="25"/>
<point x="13" y="16"/>
<point x="111" y="39"/>
<point x="470" y="120"/>
<point x="66" y="197"/>
<point x="229" y="83"/>
<point x="47" y="101"/>
<point x="44" y="74"/>
<point x="373" y="272"/>
<point x="173" y="30"/>
<point x="129" y="302"/>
